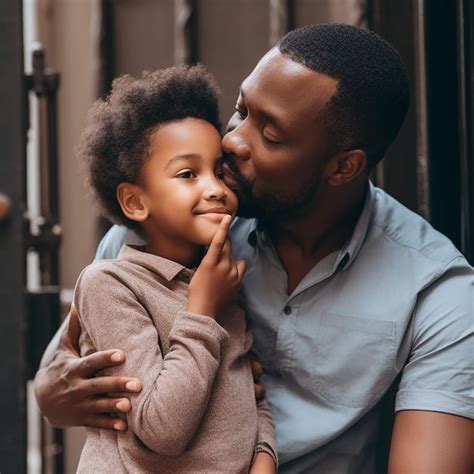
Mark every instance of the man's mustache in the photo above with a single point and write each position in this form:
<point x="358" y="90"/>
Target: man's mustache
<point x="243" y="182"/>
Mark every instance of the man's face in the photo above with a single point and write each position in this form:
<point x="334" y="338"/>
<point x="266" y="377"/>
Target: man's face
<point x="276" y="142"/>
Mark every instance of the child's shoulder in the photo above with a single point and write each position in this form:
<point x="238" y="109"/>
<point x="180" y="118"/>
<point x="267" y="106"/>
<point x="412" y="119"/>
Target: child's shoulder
<point x="101" y="273"/>
<point x="98" y="267"/>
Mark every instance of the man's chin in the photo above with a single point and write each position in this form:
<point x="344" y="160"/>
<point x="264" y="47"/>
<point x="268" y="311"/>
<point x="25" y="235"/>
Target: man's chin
<point x="248" y="204"/>
<point x="268" y="210"/>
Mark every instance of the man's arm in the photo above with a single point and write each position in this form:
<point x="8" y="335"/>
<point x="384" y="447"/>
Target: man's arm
<point x="433" y="430"/>
<point x="428" y="442"/>
<point x="49" y="352"/>
<point x="67" y="392"/>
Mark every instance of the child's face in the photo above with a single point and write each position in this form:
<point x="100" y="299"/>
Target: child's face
<point x="182" y="184"/>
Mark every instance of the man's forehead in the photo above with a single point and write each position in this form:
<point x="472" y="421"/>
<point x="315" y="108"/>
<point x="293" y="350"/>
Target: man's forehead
<point x="271" y="64"/>
<point x="288" y="80"/>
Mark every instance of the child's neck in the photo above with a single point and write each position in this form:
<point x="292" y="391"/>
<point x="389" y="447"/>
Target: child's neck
<point x="189" y="256"/>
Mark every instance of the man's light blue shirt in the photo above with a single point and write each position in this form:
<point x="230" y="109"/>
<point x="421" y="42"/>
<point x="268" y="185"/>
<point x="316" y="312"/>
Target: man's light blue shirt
<point x="395" y="301"/>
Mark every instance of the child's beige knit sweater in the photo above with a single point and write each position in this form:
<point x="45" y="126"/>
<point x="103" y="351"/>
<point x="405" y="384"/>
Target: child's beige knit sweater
<point x="197" y="410"/>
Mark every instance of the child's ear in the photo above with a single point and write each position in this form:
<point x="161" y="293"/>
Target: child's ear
<point x="131" y="202"/>
<point x="346" y="166"/>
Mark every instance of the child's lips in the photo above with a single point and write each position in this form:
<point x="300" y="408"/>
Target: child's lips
<point x="215" y="214"/>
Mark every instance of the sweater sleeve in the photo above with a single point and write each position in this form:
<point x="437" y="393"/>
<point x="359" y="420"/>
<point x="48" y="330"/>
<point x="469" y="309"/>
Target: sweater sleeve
<point x="266" y="431"/>
<point x="176" y="387"/>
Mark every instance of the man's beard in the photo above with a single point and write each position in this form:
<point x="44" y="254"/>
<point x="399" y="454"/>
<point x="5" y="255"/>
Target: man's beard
<point x="271" y="207"/>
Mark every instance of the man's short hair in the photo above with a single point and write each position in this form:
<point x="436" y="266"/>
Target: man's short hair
<point x="116" y="142"/>
<point x="372" y="96"/>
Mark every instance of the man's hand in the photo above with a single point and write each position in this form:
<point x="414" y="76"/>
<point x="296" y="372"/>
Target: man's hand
<point x="263" y="464"/>
<point x="69" y="394"/>
<point x="257" y="371"/>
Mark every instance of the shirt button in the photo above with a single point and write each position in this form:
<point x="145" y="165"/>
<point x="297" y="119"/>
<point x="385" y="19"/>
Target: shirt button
<point x="287" y="309"/>
<point x="185" y="276"/>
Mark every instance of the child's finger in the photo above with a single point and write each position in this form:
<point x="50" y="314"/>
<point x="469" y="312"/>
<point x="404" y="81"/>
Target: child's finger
<point x="241" y="268"/>
<point x="218" y="241"/>
<point x="226" y="252"/>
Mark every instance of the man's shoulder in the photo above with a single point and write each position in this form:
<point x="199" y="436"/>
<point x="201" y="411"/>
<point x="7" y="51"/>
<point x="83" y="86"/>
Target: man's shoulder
<point x="409" y="234"/>
<point x="110" y="245"/>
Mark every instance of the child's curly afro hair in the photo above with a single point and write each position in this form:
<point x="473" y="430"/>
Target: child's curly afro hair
<point x="115" y="143"/>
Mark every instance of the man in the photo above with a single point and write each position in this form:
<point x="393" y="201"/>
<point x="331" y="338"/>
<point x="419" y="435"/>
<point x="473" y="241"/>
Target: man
<point x="346" y="289"/>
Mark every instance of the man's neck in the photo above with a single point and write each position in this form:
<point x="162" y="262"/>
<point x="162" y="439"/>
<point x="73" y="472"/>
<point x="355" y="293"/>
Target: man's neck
<point x="303" y="242"/>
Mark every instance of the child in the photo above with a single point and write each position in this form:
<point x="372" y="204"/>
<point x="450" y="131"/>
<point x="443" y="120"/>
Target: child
<point x="153" y="149"/>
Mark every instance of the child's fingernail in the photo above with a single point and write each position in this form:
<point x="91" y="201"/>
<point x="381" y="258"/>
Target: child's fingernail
<point x="116" y="357"/>
<point x="131" y="385"/>
<point x="118" y="426"/>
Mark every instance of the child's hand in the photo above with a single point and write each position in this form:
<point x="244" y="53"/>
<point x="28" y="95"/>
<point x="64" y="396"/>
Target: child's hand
<point x="263" y="464"/>
<point x="217" y="279"/>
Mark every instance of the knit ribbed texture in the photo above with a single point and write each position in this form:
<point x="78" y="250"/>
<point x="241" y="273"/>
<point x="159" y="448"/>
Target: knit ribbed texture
<point x="197" y="410"/>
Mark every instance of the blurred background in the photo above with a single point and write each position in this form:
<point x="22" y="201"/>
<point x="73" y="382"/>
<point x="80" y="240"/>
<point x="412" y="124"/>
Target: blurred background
<point x="58" y="56"/>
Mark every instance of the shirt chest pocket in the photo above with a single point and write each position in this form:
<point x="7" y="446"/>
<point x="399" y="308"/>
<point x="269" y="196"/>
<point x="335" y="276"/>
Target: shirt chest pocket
<point x="354" y="363"/>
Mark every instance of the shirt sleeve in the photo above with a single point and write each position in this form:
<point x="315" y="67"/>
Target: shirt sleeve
<point x="265" y="426"/>
<point x="110" y="245"/>
<point x="177" y="386"/>
<point x="266" y="431"/>
<point x="439" y="374"/>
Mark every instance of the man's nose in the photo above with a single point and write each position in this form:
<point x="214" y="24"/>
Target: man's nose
<point x="235" y="144"/>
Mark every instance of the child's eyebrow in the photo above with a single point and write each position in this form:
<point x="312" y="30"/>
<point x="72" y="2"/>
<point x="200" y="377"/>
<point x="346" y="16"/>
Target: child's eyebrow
<point x="185" y="157"/>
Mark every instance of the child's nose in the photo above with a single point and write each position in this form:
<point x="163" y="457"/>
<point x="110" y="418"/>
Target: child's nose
<point x="216" y="191"/>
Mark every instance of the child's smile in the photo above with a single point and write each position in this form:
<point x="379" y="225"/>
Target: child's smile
<point x="215" y="214"/>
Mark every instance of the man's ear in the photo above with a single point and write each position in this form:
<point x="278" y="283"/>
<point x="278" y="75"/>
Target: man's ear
<point x="131" y="201"/>
<point x="346" y="166"/>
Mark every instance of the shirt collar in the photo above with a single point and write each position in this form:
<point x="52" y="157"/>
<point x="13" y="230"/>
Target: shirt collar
<point x="164" y="267"/>
<point x="258" y="235"/>
<point x="252" y="238"/>
<point x="349" y="252"/>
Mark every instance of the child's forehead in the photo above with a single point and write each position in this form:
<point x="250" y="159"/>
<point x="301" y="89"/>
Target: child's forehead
<point x="184" y="128"/>
<point x="188" y="138"/>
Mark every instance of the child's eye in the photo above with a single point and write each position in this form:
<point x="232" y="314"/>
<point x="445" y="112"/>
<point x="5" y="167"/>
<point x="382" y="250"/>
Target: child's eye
<point x="186" y="174"/>
<point x="220" y="174"/>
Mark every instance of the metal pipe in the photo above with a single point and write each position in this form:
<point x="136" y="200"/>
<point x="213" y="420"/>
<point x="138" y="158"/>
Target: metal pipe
<point x="422" y="151"/>
<point x="464" y="123"/>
